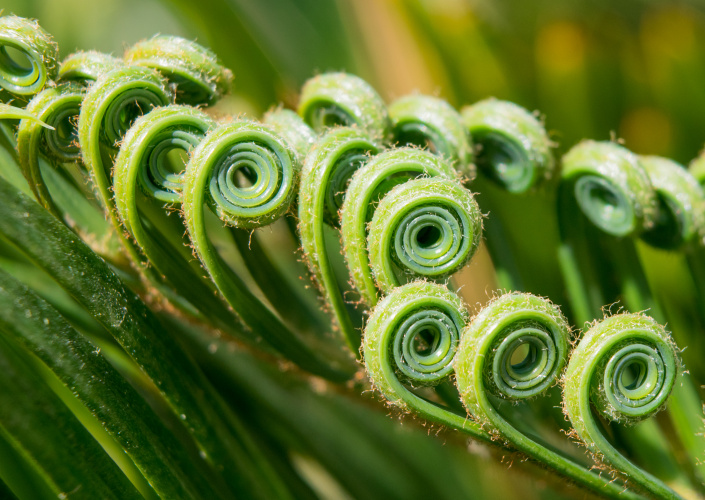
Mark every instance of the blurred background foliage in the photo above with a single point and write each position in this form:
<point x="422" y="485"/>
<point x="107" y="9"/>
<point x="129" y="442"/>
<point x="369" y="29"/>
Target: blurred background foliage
<point x="631" y="69"/>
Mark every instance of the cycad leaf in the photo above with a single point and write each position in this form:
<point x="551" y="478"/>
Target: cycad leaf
<point x="11" y="112"/>
<point x="121" y="411"/>
<point x="51" y="438"/>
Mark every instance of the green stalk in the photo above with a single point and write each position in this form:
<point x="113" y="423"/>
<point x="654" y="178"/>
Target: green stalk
<point x="696" y="264"/>
<point x="286" y="299"/>
<point x="336" y="156"/>
<point x="595" y="375"/>
<point x="256" y="151"/>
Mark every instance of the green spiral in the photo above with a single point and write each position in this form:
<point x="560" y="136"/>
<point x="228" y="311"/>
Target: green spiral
<point x="109" y="109"/>
<point x="143" y="165"/>
<point x="330" y="164"/>
<point x="85" y="67"/>
<point x="335" y="99"/>
<point x="423" y="228"/>
<point x="247" y="173"/>
<point x="292" y="128"/>
<point x="610" y="186"/>
<point x="146" y="166"/>
<point x="432" y="123"/>
<point x="514" y="349"/>
<point x="410" y="340"/>
<point x="58" y="107"/>
<point x="369" y="184"/>
<point x="194" y="71"/>
<point x="625" y="366"/>
<point x="681" y="201"/>
<point x="144" y="160"/>
<point x="37" y="53"/>
<point x="512" y="146"/>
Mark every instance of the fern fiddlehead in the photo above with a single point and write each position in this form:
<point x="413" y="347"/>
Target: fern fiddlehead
<point x="335" y="99"/>
<point x="261" y="158"/>
<point x="432" y="123"/>
<point x="411" y="338"/>
<point x="109" y="108"/>
<point x="512" y="147"/>
<point x="59" y="107"/>
<point x="680" y="224"/>
<point x="418" y="336"/>
<point x="424" y="227"/>
<point x="112" y="104"/>
<point x="513" y="155"/>
<point x="84" y="67"/>
<point x="597" y="374"/>
<point x="36" y="46"/>
<point x="602" y="183"/>
<point x="146" y="179"/>
<point x="367" y="186"/>
<point x="489" y="363"/>
<point x="611" y="187"/>
<point x="327" y="170"/>
<point x="681" y="215"/>
<point x="195" y="72"/>
<point x="217" y="175"/>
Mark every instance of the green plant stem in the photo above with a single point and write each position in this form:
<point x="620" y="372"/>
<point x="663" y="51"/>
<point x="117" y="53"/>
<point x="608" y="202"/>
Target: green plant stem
<point x="696" y="264"/>
<point x="588" y="289"/>
<point x="483" y="368"/>
<point x="230" y="146"/>
<point x="596" y="367"/>
<point x="685" y="400"/>
<point x="324" y="182"/>
<point x="286" y="300"/>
